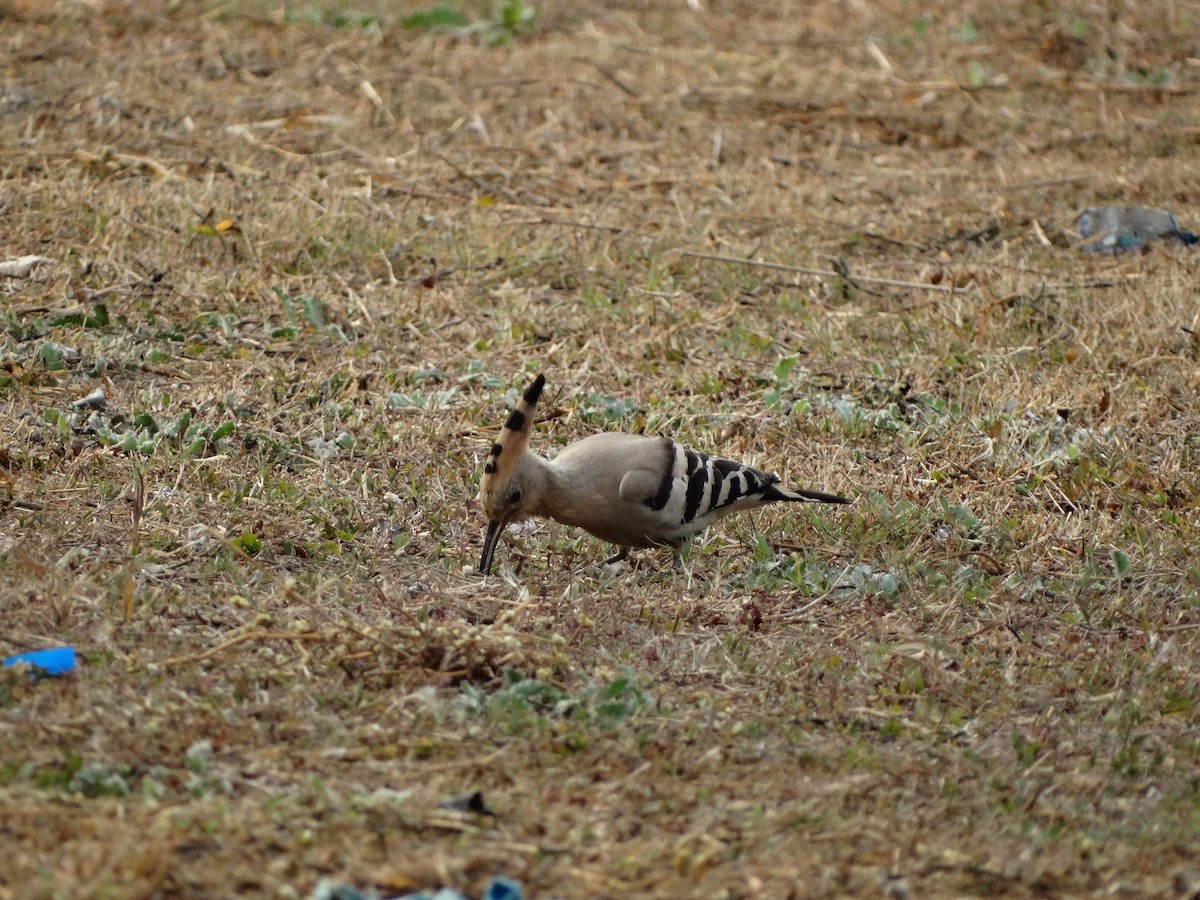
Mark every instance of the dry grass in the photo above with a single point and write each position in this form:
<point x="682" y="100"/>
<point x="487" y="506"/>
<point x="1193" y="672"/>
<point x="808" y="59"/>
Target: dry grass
<point x="310" y="260"/>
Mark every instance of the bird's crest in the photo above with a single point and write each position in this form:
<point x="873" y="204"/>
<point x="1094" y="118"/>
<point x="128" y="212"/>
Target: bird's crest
<point x="513" y="439"/>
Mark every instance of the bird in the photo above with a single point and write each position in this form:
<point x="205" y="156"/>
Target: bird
<point x="632" y="490"/>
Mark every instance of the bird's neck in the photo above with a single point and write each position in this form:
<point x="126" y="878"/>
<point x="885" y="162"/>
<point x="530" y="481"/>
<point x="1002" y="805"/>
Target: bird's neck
<point x="546" y="491"/>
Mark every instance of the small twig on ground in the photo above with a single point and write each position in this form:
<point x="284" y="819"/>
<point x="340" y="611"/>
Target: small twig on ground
<point x="1042" y="183"/>
<point x="825" y="273"/>
<point x="609" y="76"/>
<point x="568" y="223"/>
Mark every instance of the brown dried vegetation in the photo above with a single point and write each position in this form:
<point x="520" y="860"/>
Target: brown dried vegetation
<point x="310" y="258"/>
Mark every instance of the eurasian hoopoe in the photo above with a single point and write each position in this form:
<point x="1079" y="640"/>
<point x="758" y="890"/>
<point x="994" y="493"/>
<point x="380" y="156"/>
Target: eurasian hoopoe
<point x="629" y="489"/>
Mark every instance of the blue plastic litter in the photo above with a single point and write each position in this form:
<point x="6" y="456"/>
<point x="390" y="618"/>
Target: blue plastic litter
<point x="1115" y="229"/>
<point x="504" y="889"/>
<point x="47" y="663"/>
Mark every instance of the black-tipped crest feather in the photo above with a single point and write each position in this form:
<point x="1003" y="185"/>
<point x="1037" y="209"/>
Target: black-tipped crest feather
<point x="514" y="436"/>
<point x="534" y="392"/>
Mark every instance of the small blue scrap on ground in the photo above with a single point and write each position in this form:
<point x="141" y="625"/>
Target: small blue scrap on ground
<point x="1115" y="229"/>
<point x="504" y="889"/>
<point x="498" y="889"/>
<point x="45" y="663"/>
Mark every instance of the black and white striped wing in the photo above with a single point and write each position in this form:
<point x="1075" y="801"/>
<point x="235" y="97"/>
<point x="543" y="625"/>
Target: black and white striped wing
<point x="696" y="489"/>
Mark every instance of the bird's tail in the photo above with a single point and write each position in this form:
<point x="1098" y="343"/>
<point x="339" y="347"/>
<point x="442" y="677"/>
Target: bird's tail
<point x="777" y="492"/>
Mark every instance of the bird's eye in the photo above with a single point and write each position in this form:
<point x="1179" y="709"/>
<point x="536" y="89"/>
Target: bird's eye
<point x="514" y="496"/>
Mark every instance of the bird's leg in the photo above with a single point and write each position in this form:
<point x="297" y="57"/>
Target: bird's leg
<point x="677" y="550"/>
<point x="620" y="555"/>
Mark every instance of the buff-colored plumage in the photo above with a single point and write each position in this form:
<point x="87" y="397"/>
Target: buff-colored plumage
<point x="631" y="490"/>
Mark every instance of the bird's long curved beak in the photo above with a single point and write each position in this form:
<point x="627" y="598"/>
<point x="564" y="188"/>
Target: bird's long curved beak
<point x="490" y="540"/>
